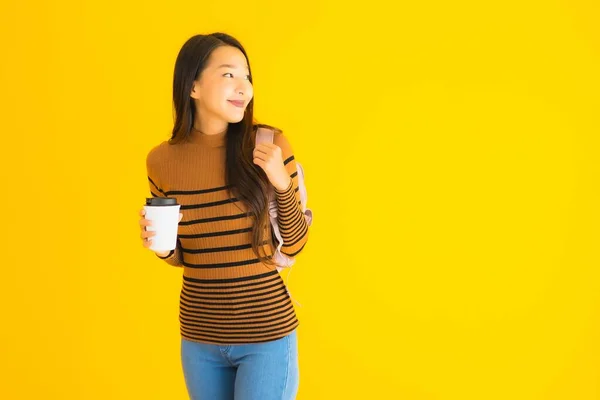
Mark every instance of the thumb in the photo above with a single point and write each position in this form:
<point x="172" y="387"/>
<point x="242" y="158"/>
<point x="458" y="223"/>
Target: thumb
<point x="180" y="216"/>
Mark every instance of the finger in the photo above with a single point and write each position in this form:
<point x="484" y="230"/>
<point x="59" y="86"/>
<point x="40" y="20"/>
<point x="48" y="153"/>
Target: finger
<point x="268" y="145"/>
<point x="261" y="153"/>
<point x="259" y="162"/>
<point x="263" y="159"/>
<point x="147" y="234"/>
<point x="264" y="146"/>
<point x="142" y="212"/>
<point x="144" y="223"/>
<point x="147" y="243"/>
<point x="180" y="216"/>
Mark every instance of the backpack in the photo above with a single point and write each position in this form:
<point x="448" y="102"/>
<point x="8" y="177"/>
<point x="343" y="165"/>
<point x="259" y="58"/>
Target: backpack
<point x="283" y="260"/>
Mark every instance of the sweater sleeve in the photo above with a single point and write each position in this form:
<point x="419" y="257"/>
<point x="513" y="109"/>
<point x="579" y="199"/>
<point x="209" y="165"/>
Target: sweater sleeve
<point x="174" y="257"/>
<point x="290" y="218"/>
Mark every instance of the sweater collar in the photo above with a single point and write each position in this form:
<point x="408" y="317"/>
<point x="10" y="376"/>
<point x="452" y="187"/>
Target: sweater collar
<point x="217" y="140"/>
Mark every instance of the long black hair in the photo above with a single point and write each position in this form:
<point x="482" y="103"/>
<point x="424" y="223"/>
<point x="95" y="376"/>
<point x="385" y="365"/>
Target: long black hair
<point x="245" y="180"/>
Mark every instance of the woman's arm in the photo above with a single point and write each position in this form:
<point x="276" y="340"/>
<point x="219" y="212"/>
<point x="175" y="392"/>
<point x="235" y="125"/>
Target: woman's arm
<point x="172" y="257"/>
<point x="290" y="218"/>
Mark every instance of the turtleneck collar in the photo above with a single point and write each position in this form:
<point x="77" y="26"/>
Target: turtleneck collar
<point x="218" y="140"/>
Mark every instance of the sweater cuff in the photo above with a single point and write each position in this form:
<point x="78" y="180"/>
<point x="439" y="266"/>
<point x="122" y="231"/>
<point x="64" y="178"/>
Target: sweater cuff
<point x="167" y="256"/>
<point x="283" y="192"/>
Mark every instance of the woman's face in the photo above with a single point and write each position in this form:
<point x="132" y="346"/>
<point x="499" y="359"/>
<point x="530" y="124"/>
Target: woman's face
<point x="223" y="90"/>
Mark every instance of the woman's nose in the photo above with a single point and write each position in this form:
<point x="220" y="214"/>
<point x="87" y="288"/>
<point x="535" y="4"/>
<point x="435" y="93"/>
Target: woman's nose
<point x="243" y="88"/>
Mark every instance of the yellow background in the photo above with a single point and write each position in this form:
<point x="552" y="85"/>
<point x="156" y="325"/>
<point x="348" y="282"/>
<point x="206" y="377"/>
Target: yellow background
<point x="451" y="155"/>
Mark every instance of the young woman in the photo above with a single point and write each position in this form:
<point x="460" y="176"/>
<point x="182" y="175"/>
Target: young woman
<point x="237" y="321"/>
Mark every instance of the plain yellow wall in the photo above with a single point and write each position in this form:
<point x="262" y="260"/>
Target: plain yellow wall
<point x="451" y="155"/>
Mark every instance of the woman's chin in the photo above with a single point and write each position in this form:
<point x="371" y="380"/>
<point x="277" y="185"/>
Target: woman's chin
<point x="235" y="118"/>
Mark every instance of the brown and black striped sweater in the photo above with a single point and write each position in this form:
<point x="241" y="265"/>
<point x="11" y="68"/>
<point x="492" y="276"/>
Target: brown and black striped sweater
<point x="228" y="296"/>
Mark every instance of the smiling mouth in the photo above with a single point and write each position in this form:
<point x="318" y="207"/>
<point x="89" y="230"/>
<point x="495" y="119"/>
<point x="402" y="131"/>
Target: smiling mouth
<point x="237" y="103"/>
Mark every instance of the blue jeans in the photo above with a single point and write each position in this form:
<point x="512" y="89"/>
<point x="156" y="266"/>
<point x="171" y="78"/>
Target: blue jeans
<point x="257" y="371"/>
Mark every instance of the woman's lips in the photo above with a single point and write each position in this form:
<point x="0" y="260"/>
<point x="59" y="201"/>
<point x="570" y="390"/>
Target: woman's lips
<point x="237" y="103"/>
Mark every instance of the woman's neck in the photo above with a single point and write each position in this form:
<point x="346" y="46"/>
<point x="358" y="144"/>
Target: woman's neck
<point x="210" y="127"/>
<point x="211" y="138"/>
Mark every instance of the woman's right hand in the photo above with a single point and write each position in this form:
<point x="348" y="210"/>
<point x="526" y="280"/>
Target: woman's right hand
<point x="147" y="235"/>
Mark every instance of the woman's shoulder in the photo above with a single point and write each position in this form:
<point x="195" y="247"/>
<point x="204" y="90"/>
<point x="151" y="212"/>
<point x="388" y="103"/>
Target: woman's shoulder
<point x="160" y="151"/>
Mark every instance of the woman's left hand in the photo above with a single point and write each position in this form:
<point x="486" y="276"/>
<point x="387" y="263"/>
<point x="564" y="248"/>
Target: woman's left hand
<point x="269" y="157"/>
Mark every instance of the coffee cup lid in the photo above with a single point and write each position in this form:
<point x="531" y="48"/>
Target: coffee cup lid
<point x="161" y="201"/>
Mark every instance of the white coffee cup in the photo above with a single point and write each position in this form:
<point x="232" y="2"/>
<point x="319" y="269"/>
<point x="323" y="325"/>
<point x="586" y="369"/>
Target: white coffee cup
<point x="164" y="214"/>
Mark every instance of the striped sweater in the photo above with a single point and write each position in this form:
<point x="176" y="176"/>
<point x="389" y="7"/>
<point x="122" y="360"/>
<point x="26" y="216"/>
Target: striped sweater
<point x="228" y="295"/>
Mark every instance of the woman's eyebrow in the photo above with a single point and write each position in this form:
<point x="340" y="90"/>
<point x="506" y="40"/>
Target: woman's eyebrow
<point x="230" y="66"/>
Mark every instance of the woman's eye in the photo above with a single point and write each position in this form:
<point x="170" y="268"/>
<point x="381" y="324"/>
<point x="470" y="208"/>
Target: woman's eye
<point x="229" y="73"/>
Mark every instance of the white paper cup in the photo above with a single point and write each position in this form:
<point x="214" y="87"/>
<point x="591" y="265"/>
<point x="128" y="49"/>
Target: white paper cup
<point x="164" y="214"/>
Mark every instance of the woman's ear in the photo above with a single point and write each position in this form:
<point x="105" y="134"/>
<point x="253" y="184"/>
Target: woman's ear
<point x="195" y="94"/>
